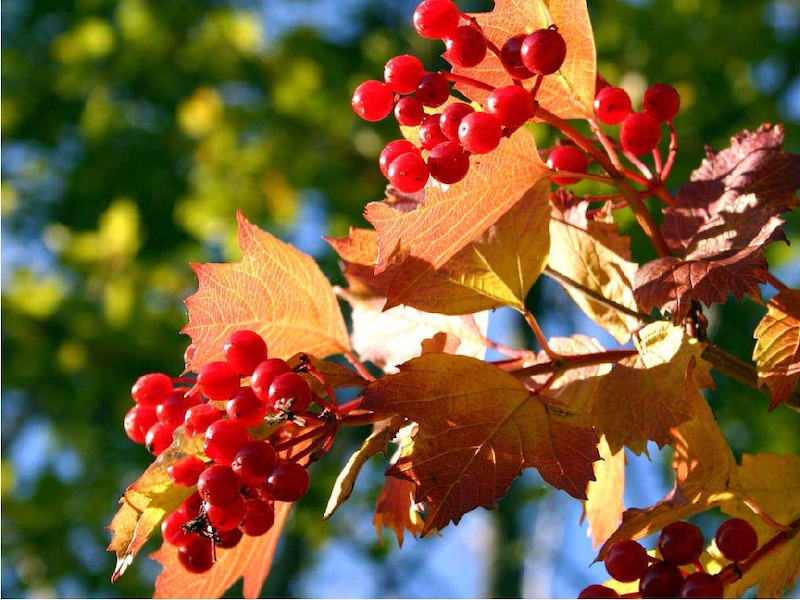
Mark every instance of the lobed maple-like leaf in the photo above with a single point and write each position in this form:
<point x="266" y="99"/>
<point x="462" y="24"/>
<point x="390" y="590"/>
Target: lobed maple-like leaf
<point x="436" y="230"/>
<point x="250" y="559"/>
<point x="569" y="93"/>
<point x="777" y="351"/>
<point x="604" y="502"/>
<point x="772" y="481"/>
<point x="478" y="428"/>
<point x="590" y="252"/>
<point x="397" y="510"/>
<point x="275" y="290"/>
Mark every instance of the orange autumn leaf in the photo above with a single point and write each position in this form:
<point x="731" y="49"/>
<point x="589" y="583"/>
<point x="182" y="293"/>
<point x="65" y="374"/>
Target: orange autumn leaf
<point x="568" y="93"/>
<point x="604" y="503"/>
<point x="251" y="559"/>
<point x="397" y="510"/>
<point x="478" y="428"/>
<point x="275" y="290"/>
<point x="777" y="351"/>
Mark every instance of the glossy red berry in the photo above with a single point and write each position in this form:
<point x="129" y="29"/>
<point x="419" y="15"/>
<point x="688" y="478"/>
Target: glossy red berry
<point x="433" y="89"/>
<point x="244" y="350"/>
<point x="612" y="105"/>
<point x="172" y="526"/>
<point x="402" y="73"/>
<point x="543" y="51"/>
<point x="186" y="470"/>
<point x="512" y="105"/>
<point x="430" y="132"/>
<point x="640" y="133"/>
<point x="736" y="539"/>
<point x="510" y="56"/>
<point x="258" y="519"/>
<point x="267" y="371"/>
<point x="196" y="554"/>
<point x="597" y="591"/>
<point x="436" y="19"/>
<point x="288" y="482"/>
<point x="255" y="462"/>
<point x="702" y="585"/>
<point x="158" y="438"/>
<point x="408" y="172"/>
<point x="391" y="151"/>
<point x="229" y="539"/>
<point x="218" y="484"/>
<point x="466" y="47"/>
<point x="372" y="100"/>
<point x="626" y="560"/>
<point x="245" y="408"/>
<point x="450" y="119"/>
<point x="138" y="421"/>
<point x="199" y="417"/>
<point x="681" y="543"/>
<point x="225" y="517"/>
<point x="289" y="392"/>
<point x="223" y="440"/>
<point x="567" y="158"/>
<point x="448" y="162"/>
<point x="661" y="101"/>
<point x="151" y="389"/>
<point x="409" y="111"/>
<point x="480" y="132"/>
<point x="661" y="580"/>
<point x="218" y="380"/>
<point x="172" y="411"/>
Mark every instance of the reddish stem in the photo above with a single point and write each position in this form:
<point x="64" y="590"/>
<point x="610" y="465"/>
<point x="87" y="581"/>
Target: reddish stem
<point x="467" y="81"/>
<point x="576" y="361"/>
<point x="776" y="283"/>
<point x="360" y="368"/>
<point x="671" y="153"/>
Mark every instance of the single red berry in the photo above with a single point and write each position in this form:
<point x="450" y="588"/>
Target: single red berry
<point x="218" y="484"/>
<point x="626" y="560"/>
<point x="402" y="73"/>
<point x="661" y="580"/>
<point x="597" y="591"/>
<point x="430" y="132"/>
<point x="567" y="158"/>
<point x="450" y="119"/>
<point x="433" y="89"/>
<point x="736" y="539"/>
<point x="640" y="133"/>
<point x="543" y="51"/>
<point x="245" y="408"/>
<point x="409" y="111"/>
<point x="218" y="380"/>
<point x="480" y="132"/>
<point x="436" y="19"/>
<point x="661" y="101"/>
<point x="172" y="411"/>
<point x="172" y="526"/>
<point x="255" y="462"/>
<point x="229" y="539"/>
<point x="186" y="470"/>
<point x="288" y="482"/>
<point x="373" y="100"/>
<point x="223" y="440"/>
<point x="289" y="393"/>
<point x="151" y="389"/>
<point x="466" y="47"/>
<point x="392" y="150"/>
<point x="512" y="104"/>
<point x="702" y="585"/>
<point x="258" y="519"/>
<point x="681" y="543"/>
<point x="408" y="172"/>
<point x="244" y="350"/>
<point x="448" y="162"/>
<point x="224" y="517"/>
<point x="138" y="421"/>
<point x="158" y="438"/>
<point x="196" y="554"/>
<point x="199" y="417"/>
<point x="267" y="371"/>
<point x="612" y="105"/>
<point x="511" y="58"/>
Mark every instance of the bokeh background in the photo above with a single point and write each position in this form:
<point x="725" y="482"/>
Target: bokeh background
<point x="132" y="131"/>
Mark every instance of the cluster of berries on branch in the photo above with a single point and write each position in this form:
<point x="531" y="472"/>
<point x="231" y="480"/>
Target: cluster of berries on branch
<point x="238" y="477"/>
<point x="679" y="572"/>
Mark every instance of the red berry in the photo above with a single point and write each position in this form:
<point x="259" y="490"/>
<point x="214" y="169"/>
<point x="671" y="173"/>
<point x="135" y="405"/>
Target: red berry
<point x="512" y="60"/>
<point x="158" y="438"/>
<point x="229" y="539"/>
<point x="681" y="543"/>
<point x="612" y="105"/>
<point x="244" y="350"/>
<point x="218" y="380"/>
<point x="433" y="89"/>
<point x="480" y="132"/>
<point x="172" y="526"/>
<point x="436" y="19"/>
<point x="640" y="133"/>
<point x="661" y="101"/>
<point x="151" y="389"/>
<point x="543" y="51"/>
<point x="255" y="462"/>
<point x="186" y="470"/>
<point x="288" y="482"/>
<point x="661" y="580"/>
<point x="402" y="73"/>
<point x="225" y="517"/>
<point x="597" y="591"/>
<point x="567" y="158"/>
<point x="450" y="119"/>
<point x="448" y="162"/>
<point x="408" y="172"/>
<point x="172" y="411"/>
<point x="258" y="519"/>
<point x="268" y="370"/>
<point x="199" y="417"/>
<point x="736" y="539"/>
<point x="289" y="393"/>
<point x="626" y="560"/>
<point x="373" y="100"/>
<point x="223" y="440"/>
<point x="392" y="150"/>
<point x="430" y="132"/>
<point x="245" y="408"/>
<point x="196" y="554"/>
<point x="409" y="111"/>
<point x="466" y="47"/>
<point x="218" y="484"/>
<point x="138" y="421"/>
<point x="512" y="104"/>
<point x="702" y="585"/>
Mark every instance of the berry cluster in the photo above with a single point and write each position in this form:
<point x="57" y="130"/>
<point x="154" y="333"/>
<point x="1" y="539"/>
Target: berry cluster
<point x="239" y="477"/>
<point x="450" y="133"/>
<point x="680" y="545"/>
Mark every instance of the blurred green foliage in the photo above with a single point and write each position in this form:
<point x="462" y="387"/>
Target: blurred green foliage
<point x="133" y="129"/>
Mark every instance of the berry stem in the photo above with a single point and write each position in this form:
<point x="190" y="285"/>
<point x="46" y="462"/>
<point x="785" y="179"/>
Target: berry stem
<point x="467" y="81"/>
<point x="360" y="368"/>
<point x="307" y="366"/>
<point x="671" y="153"/>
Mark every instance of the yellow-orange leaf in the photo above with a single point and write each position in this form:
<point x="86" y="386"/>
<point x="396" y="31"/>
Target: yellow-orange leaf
<point x="449" y="220"/>
<point x="275" y="290"/>
<point x="569" y="92"/>
<point x="250" y="559"/>
<point x="604" y="503"/>
<point x="777" y="351"/>
<point x="396" y="509"/>
<point x="478" y="428"/>
<point x="773" y="482"/>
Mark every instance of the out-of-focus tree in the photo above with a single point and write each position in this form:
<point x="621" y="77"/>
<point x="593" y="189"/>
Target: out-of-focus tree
<point x="132" y="130"/>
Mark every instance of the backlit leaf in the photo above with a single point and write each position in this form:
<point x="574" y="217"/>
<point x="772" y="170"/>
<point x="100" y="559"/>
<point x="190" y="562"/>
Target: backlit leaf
<point x="777" y="351"/>
<point x="604" y="502"/>
<point x="275" y="290"/>
<point x="397" y="510"/>
<point x="478" y="428"/>
<point x="569" y="92"/>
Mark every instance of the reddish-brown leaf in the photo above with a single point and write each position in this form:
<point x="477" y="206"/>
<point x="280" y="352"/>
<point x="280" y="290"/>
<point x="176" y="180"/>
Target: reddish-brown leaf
<point x="777" y="351"/>
<point x="449" y="220"/>
<point x="478" y="428"/>
<point x="397" y="510"/>
<point x="275" y="290"/>
<point x="569" y="92"/>
<point x="251" y="559"/>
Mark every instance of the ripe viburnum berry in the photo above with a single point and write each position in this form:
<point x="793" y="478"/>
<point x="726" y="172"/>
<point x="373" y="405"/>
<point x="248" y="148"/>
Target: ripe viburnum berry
<point x="409" y="111"/>
<point x="218" y="380"/>
<point x="639" y="133"/>
<point x="244" y="350"/>
<point x="612" y="105"/>
<point x="450" y="119"/>
<point x="436" y="19"/>
<point x="392" y="150"/>
<point x="402" y="73"/>
<point x="543" y="51"/>
<point x="480" y="132"/>
<point x="151" y="389"/>
<point x="512" y="60"/>
<point x="373" y="100"/>
<point x="433" y="89"/>
<point x="567" y="158"/>
<point x="512" y="104"/>
<point x="448" y="162"/>
<point x="408" y="172"/>
<point x="661" y="101"/>
<point x="466" y="47"/>
<point x="430" y="132"/>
